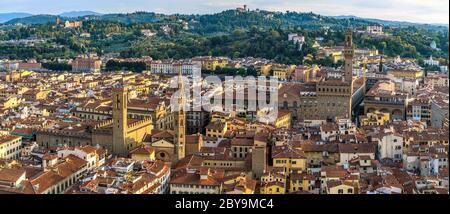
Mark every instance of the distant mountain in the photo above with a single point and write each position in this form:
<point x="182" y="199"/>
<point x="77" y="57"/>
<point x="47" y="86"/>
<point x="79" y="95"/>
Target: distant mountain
<point x="127" y="18"/>
<point x="137" y="17"/>
<point x="393" y="23"/>
<point x="30" y="20"/>
<point x="75" y="14"/>
<point x="4" y="17"/>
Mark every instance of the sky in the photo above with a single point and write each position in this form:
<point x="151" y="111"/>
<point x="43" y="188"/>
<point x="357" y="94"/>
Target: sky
<point x="422" y="11"/>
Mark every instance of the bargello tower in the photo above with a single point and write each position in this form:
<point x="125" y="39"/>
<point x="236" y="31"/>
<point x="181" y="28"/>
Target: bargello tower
<point x="120" y="118"/>
<point x="127" y="133"/>
<point x="334" y="95"/>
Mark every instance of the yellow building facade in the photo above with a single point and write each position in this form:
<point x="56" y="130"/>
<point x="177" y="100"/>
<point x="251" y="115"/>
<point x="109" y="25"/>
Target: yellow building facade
<point x="283" y="72"/>
<point x="214" y="64"/>
<point x="414" y="74"/>
<point x="10" y="146"/>
<point x="343" y="188"/>
<point x="273" y="188"/>
<point x="290" y="163"/>
<point x="9" y="102"/>
<point x="283" y="120"/>
<point x="375" y="118"/>
<point x="301" y="182"/>
<point x="265" y="69"/>
<point x="216" y="129"/>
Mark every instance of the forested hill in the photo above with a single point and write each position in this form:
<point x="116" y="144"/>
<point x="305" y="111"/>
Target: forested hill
<point x="233" y="18"/>
<point x="126" y="18"/>
<point x="431" y="26"/>
<point x="224" y="21"/>
<point x="233" y="33"/>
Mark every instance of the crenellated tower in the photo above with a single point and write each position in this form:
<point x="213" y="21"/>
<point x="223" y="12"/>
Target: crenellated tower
<point x="334" y="96"/>
<point x="120" y="119"/>
<point x="181" y="134"/>
<point x="349" y="53"/>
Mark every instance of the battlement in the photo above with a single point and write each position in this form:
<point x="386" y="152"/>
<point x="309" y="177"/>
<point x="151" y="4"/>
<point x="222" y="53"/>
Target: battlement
<point x="63" y="133"/>
<point x="103" y="124"/>
<point x="147" y="120"/>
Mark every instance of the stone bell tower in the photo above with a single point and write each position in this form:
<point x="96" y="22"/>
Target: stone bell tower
<point x="181" y="134"/>
<point x="120" y="120"/>
<point x="349" y="53"/>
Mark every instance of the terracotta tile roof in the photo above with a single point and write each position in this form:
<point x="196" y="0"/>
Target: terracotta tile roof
<point x="143" y="180"/>
<point x="31" y="171"/>
<point x="88" y="149"/>
<point x="216" y="126"/>
<point x="241" y="142"/>
<point x="135" y="103"/>
<point x="190" y="161"/>
<point x="45" y="181"/>
<point x="286" y="152"/>
<point x="329" y="127"/>
<point x="58" y="173"/>
<point x="157" y="167"/>
<point x="213" y="178"/>
<point x="11" y="175"/>
<point x="292" y="89"/>
<point x="163" y="134"/>
<point x="143" y="149"/>
<point x="334" y="183"/>
<point x="334" y="171"/>
<point x="27" y="131"/>
<point x="357" y="148"/>
<point x="212" y="150"/>
<point x="303" y="176"/>
<point x="8" y="138"/>
<point x="330" y="147"/>
<point x="48" y="156"/>
<point x="25" y="187"/>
